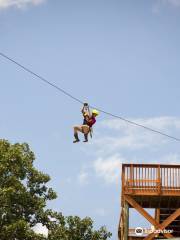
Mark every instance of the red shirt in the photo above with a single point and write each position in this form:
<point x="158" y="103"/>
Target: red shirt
<point x="91" y="121"/>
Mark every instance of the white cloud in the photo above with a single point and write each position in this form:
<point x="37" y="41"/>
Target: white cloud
<point x="83" y="178"/>
<point x="19" y="3"/>
<point x="129" y="137"/>
<point x="40" y="229"/>
<point x="158" y="123"/>
<point x="108" y="168"/>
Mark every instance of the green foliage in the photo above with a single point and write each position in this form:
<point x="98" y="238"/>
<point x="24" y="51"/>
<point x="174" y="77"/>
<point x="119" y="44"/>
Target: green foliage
<point x="23" y="192"/>
<point x="75" y="228"/>
<point x="23" y="198"/>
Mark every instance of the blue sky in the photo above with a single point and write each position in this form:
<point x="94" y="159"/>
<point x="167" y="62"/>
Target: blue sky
<point x="121" y="56"/>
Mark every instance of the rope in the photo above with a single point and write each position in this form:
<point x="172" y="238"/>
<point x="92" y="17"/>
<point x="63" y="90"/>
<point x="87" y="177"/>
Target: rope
<point x="80" y="101"/>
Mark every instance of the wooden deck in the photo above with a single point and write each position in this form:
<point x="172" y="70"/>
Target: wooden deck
<point x="154" y="186"/>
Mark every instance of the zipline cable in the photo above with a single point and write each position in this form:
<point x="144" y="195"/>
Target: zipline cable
<point x="80" y="101"/>
<point x="41" y="78"/>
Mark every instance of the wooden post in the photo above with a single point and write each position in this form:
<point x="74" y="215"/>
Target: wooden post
<point x="131" y="178"/>
<point x="159" y="179"/>
<point x="126" y="220"/>
<point x="123" y="179"/>
<point x="157" y="215"/>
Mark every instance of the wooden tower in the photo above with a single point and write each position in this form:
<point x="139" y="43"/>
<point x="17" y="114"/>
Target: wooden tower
<point x="151" y="186"/>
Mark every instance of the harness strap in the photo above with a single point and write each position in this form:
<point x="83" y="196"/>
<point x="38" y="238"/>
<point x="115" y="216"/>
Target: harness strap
<point x="90" y="131"/>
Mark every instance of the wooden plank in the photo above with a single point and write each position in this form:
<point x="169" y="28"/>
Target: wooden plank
<point x="145" y="180"/>
<point x="152" y="165"/>
<point x="152" y="193"/>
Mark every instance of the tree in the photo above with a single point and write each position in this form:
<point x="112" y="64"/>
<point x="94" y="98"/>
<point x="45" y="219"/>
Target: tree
<point x="75" y="228"/>
<point x="23" y="193"/>
<point x="23" y="199"/>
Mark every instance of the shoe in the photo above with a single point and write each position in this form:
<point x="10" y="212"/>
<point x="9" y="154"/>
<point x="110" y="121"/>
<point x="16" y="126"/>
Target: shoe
<point x="76" y="138"/>
<point x="85" y="138"/>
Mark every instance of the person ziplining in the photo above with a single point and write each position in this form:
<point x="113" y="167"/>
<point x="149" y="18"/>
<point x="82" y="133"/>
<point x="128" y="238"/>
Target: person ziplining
<point x="88" y="122"/>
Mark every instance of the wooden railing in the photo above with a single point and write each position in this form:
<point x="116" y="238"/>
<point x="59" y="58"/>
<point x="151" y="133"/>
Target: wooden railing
<point x="151" y="179"/>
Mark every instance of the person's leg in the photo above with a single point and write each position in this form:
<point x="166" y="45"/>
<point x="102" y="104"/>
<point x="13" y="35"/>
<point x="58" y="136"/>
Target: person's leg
<point x="85" y="129"/>
<point x="85" y="137"/>
<point x="76" y="129"/>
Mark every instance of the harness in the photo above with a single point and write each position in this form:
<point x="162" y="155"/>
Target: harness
<point x="86" y="111"/>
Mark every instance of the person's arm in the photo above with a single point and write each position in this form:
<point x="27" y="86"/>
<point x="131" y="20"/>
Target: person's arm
<point x="85" y="109"/>
<point x="82" y="110"/>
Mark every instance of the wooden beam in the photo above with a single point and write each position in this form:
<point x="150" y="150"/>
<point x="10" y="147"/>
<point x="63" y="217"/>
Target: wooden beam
<point x="171" y="218"/>
<point x="120" y="227"/>
<point x="126" y="220"/>
<point x="145" y="214"/>
<point x="157" y="215"/>
<point x="123" y="179"/>
<point x="149" y="192"/>
<point x="163" y="225"/>
<point x="135" y="205"/>
<point x="151" y="165"/>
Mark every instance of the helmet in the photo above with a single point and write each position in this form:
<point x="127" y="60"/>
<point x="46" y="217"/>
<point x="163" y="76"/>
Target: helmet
<point x="95" y="112"/>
